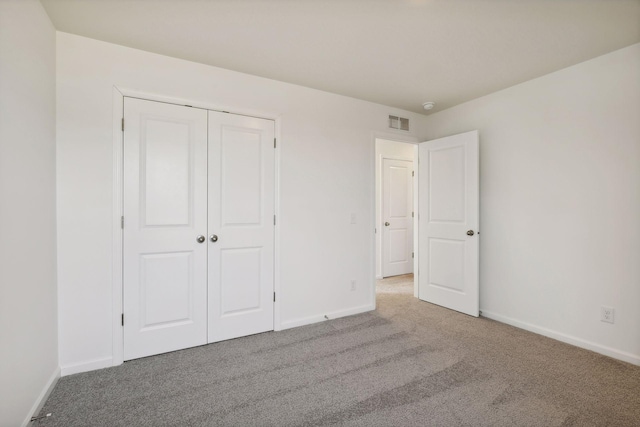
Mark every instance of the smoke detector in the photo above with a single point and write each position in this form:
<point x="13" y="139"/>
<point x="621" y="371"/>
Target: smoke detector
<point x="428" y="105"/>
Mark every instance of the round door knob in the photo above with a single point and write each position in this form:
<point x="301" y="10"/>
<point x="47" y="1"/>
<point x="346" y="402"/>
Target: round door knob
<point x="470" y="233"/>
<point x="386" y="224"/>
<point x="201" y="238"/>
<point x="214" y="238"/>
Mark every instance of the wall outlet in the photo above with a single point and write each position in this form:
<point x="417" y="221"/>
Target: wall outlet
<point x="353" y="285"/>
<point x="607" y="314"/>
<point x="353" y="218"/>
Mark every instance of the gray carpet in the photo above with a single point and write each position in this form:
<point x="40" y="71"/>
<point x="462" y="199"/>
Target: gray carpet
<point x="409" y="363"/>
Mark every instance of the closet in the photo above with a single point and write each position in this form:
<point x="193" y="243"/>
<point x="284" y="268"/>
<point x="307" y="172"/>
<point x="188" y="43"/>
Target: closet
<point x="198" y="226"/>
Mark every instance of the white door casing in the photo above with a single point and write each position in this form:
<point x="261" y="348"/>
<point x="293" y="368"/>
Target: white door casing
<point x="165" y="209"/>
<point x="397" y="221"/>
<point x="448" y="223"/>
<point x="241" y="216"/>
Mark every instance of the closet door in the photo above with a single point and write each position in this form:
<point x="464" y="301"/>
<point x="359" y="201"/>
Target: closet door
<point x="241" y="225"/>
<point x="165" y="226"/>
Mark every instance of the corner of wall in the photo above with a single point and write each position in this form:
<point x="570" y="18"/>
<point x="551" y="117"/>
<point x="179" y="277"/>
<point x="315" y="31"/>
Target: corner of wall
<point x="42" y="397"/>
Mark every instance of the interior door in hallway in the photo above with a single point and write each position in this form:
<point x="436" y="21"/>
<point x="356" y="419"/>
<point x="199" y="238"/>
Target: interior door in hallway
<point x="448" y="223"/>
<point x="165" y="212"/>
<point x="397" y="207"/>
<point x="241" y="225"/>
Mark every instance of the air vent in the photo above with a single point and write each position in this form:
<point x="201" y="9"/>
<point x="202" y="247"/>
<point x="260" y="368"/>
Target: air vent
<point x="396" y="122"/>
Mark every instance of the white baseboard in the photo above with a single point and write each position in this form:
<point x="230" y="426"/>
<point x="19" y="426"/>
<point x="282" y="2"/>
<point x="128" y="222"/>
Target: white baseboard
<point x="321" y="317"/>
<point x="90" y="365"/>
<point x="43" y="396"/>
<point x="578" y="342"/>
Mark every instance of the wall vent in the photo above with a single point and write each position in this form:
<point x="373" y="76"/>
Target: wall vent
<point x="396" y="122"/>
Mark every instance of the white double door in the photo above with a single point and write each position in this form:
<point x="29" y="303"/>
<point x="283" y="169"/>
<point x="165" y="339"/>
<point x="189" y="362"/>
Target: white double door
<point x="198" y="227"/>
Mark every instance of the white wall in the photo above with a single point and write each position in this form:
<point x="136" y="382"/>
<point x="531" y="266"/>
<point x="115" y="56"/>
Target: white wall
<point x="386" y="149"/>
<point x="560" y="201"/>
<point x="28" y="303"/>
<point x="326" y="151"/>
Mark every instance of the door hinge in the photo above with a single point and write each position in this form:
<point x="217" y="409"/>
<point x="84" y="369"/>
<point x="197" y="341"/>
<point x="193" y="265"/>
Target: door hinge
<point x="122" y="222"/>
<point x="122" y="124"/>
<point x="413" y="173"/>
<point x="274" y="220"/>
<point x="274" y="297"/>
<point x="274" y="143"/>
<point x="412" y="254"/>
<point x="412" y="213"/>
<point x="122" y="319"/>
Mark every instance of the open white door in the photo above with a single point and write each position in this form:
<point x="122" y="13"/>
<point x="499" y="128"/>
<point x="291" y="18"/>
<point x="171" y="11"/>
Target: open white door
<point x="165" y="223"/>
<point x="397" y="207"/>
<point x="448" y="222"/>
<point x="241" y="225"/>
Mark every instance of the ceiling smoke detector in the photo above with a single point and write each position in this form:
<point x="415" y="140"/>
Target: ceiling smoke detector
<point x="428" y="105"/>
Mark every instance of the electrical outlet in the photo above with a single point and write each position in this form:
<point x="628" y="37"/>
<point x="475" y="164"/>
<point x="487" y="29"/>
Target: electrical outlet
<point x="353" y="285"/>
<point x="607" y="314"/>
<point x="353" y="218"/>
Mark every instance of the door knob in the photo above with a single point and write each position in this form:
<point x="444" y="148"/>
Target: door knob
<point x="201" y="238"/>
<point x="214" y="238"/>
<point x="470" y="233"/>
<point x="386" y="224"/>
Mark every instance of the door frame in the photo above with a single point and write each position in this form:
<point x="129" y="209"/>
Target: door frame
<point x="118" y="95"/>
<point x="403" y="139"/>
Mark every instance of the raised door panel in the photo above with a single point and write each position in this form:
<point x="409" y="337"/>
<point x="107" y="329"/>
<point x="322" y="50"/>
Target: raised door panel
<point x="446" y="261"/>
<point x="168" y="167"/>
<point x="166" y="290"/>
<point x="398" y="242"/>
<point x="241" y="177"/>
<point x="240" y="281"/>
<point x="399" y="203"/>
<point x="446" y="190"/>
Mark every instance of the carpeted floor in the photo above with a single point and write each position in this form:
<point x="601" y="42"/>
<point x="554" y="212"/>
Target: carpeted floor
<point x="409" y="363"/>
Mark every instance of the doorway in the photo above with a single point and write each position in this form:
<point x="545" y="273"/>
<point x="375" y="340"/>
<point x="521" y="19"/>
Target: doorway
<point x="395" y="181"/>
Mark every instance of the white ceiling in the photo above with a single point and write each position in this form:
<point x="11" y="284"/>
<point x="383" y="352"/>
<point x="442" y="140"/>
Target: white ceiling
<point x="394" y="52"/>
